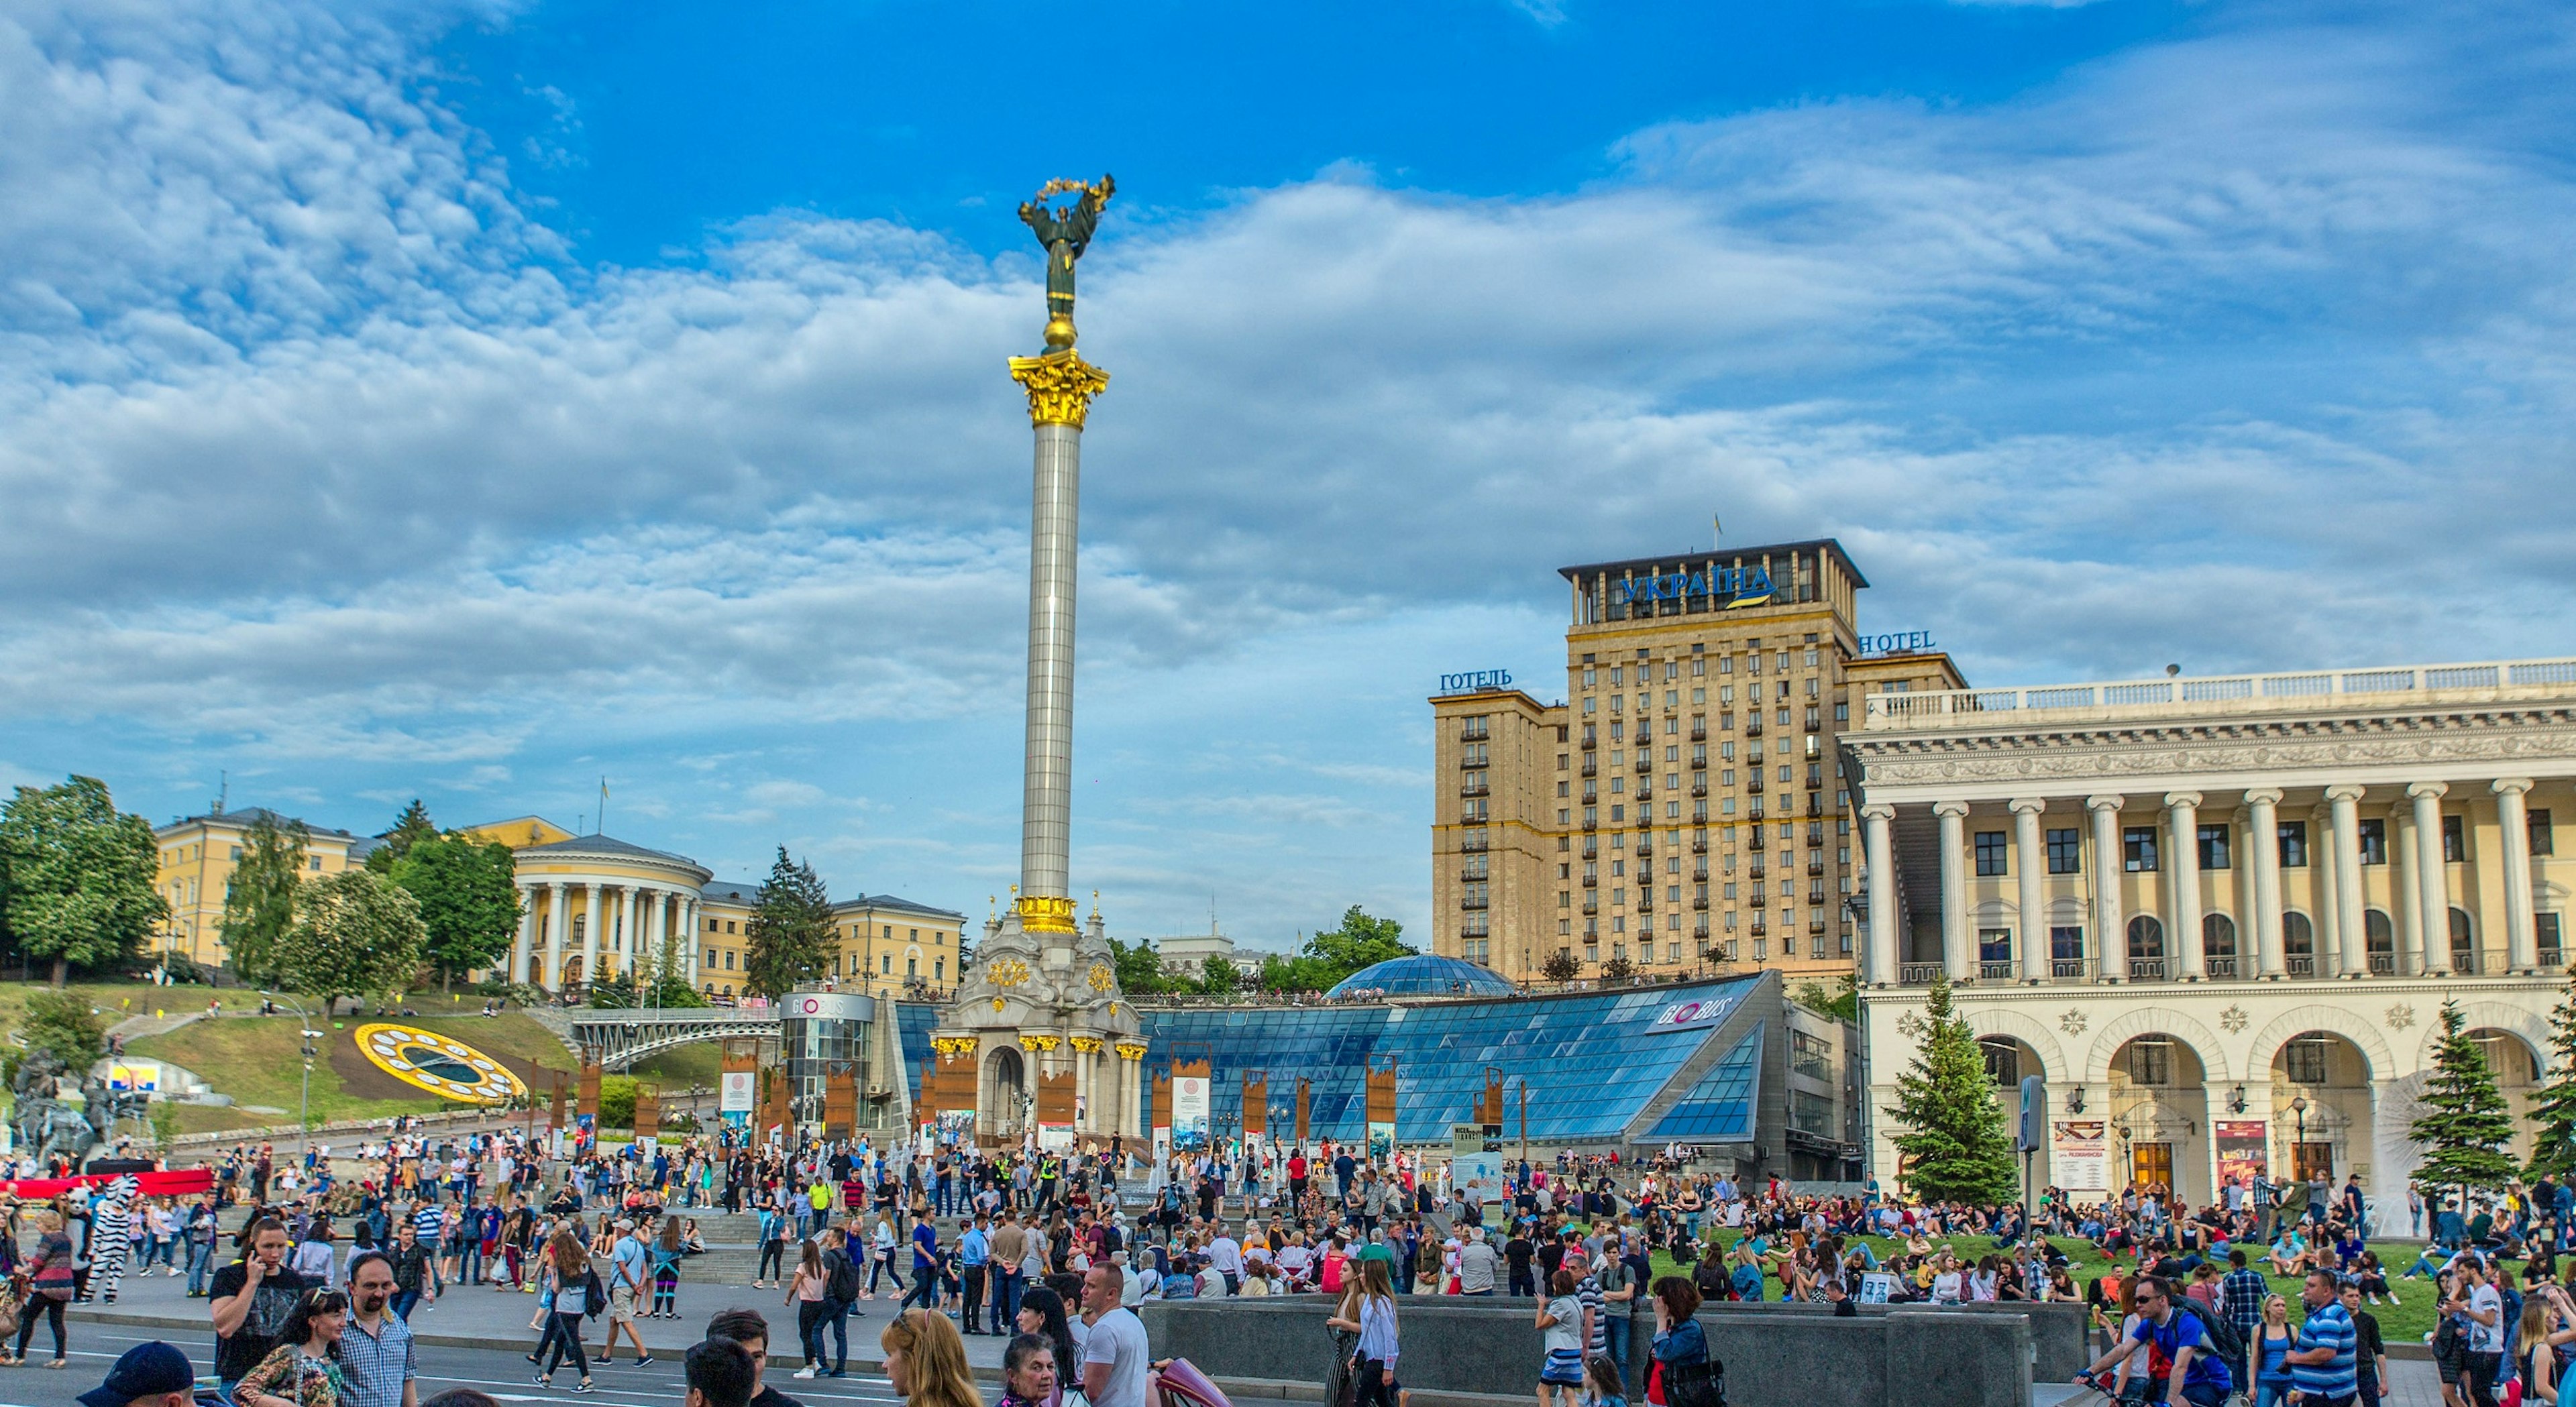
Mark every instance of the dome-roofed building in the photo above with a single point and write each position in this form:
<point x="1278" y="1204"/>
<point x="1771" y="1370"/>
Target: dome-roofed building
<point x="1423" y="975"/>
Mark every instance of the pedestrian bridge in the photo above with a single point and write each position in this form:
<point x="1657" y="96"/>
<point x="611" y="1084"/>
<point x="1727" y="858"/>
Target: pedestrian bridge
<point x="624" y="1035"/>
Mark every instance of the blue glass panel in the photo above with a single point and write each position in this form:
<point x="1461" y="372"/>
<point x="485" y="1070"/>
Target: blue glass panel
<point x="1719" y="1108"/>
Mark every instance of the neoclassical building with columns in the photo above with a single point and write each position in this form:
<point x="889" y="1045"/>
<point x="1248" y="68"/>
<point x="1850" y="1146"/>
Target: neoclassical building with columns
<point x="592" y="907"/>
<point x="2220" y="916"/>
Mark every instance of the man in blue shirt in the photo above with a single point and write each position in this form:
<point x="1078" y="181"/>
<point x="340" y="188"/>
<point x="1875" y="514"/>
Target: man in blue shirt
<point x="2322" y="1362"/>
<point x="973" y="1249"/>
<point x="2196" y="1375"/>
<point x="925" y="1267"/>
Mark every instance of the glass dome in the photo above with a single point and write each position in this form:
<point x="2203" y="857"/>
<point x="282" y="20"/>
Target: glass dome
<point x="1423" y="975"/>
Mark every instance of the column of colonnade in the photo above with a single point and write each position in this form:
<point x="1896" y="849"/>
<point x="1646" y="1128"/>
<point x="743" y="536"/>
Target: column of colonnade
<point x="646" y="916"/>
<point x="2423" y="893"/>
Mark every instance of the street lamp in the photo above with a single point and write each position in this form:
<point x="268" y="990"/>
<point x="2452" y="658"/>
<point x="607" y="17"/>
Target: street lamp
<point x="304" y="1097"/>
<point x="2299" y="1109"/>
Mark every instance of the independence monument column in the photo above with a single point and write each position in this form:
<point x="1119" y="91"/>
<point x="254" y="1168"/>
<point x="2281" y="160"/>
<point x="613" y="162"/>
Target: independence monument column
<point x="1060" y="386"/>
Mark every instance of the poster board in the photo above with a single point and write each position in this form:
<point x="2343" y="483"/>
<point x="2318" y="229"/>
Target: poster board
<point x="1876" y="1286"/>
<point x="2079" y="1155"/>
<point x="1190" y="1111"/>
<point x="2244" y="1153"/>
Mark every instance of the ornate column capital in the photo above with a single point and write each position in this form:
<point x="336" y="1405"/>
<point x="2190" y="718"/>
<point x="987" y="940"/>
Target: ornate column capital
<point x="2263" y="796"/>
<point x="1131" y="1050"/>
<point x="2177" y="800"/>
<point x="2435" y="790"/>
<point x="2033" y="805"/>
<point x="2105" y="803"/>
<point x="1878" y="811"/>
<point x="2346" y="791"/>
<point x="1060" y="387"/>
<point x="2510" y="786"/>
<point x="1949" y="808"/>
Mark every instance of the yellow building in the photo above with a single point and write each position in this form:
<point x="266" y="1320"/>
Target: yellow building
<point x="1684" y="807"/>
<point x="883" y="945"/>
<point x="197" y="858"/>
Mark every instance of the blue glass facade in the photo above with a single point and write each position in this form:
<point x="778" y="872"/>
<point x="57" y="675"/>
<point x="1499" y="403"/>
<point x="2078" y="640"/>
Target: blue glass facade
<point x="1424" y="975"/>
<point x="1592" y="1061"/>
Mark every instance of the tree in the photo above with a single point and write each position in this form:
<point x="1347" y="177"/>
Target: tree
<point x="1140" y="967"/>
<point x="410" y="828"/>
<point x="1219" y="976"/>
<point x="1561" y="966"/>
<point x="469" y="899"/>
<point x="1360" y="942"/>
<point x="64" y="1025"/>
<point x="790" y="939"/>
<point x="356" y="934"/>
<point x="2553" y="1106"/>
<point x="1840" y="1001"/>
<point x="80" y="875"/>
<point x="1618" y="969"/>
<point x="1955" y="1144"/>
<point x="259" y="902"/>
<point x="2465" y="1126"/>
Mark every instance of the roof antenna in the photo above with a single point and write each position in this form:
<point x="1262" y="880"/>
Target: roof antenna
<point x="223" y="790"/>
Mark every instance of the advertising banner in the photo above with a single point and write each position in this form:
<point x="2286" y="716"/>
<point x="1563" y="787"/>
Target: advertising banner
<point x="2079" y="1155"/>
<point x="1381" y="1140"/>
<point x="129" y="1076"/>
<point x="1478" y="1177"/>
<point x="1189" y="1112"/>
<point x="2244" y="1153"/>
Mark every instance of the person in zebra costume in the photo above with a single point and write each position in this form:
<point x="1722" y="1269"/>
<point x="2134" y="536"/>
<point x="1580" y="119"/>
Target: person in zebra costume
<point x="109" y="1219"/>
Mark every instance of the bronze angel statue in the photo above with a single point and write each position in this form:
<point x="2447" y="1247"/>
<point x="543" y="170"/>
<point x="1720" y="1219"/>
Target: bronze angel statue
<point x="1065" y="233"/>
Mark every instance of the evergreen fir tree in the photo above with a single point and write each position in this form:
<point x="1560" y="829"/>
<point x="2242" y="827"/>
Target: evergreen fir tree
<point x="790" y="939"/>
<point x="2465" y="1125"/>
<point x="2553" y="1106"/>
<point x="1955" y="1143"/>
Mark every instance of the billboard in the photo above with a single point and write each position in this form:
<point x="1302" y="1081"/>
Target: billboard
<point x="1189" y="1111"/>
<point x="2079" y="1155"/>
<point x="737" y="1094"/>
<point x="2244" y="1153"/>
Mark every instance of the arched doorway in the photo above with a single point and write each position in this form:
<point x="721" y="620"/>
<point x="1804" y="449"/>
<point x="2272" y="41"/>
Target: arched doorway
<point x="2516" y="1067"/>
<point x="2160" y="1116"/>
<point x="2146" y="949"/>
<point x="2464" y="944"/>
<point x="1008" y="1084"/>
<point x="2321" y="1107"/>
<point x="572" y="971"/>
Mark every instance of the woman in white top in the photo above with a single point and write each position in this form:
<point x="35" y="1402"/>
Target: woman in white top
<point x="313" y="1256"/>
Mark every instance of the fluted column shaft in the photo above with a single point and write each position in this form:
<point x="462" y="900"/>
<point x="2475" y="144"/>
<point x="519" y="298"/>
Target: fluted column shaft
<point x="2263" y="855"/>
<point x="2182" y="808"/>
<point x="629" y="921"/>
<point x="1046" y="803"/>
<point x="558" y="924"/>
<point x="2432" y="882"/>
<point x="1958" y="957"/>
<point x="2522" y="936"/>
<point x="2350" y="956"/>
<point x="520" y="946"/>
<point x="2029" y="864"/>
<point x="2110" y="941"/>
<point x="591" y="904"/>
<point x="1880" y="854"/>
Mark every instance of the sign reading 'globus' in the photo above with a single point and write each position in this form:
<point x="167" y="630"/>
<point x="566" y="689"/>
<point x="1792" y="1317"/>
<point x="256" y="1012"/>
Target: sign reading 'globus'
<point x="1736" y="586"/>
<point x="1688" y="1016"/>
<point x="1476" y="680"/>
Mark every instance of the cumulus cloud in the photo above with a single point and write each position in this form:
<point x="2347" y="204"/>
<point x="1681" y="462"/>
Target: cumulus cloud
<point x="320" y="445"/>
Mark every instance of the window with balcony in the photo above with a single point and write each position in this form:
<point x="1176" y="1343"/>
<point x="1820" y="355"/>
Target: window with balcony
<point x="2374" y="841"/>
<point x="2292" y="838"/>
<point x="1994" y="953"/>
<point x="2546" y="927"/>
<point x="2066" y="851"/>
<point x="2464" y="943"/>
<point x="2214" y="847"/>
<point x="2138" y="849"/>
<point x="1992" y="847"/>
<point x="2218" y="945"/>
<point x="2379" y="941"/>
<point x="2298" y="944"/>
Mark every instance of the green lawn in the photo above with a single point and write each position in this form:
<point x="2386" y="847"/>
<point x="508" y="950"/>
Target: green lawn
<point x="676" y="1070"/>
<point x="2408" y="1322"/>
<point x="255" y="1060"/>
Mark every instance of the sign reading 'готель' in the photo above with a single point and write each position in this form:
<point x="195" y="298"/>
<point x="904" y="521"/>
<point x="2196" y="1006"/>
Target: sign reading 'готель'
<point x="1473" y="682"/>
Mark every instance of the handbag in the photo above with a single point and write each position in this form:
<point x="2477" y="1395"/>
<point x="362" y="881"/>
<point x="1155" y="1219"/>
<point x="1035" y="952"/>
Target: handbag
<point x="1701" y="1384"/>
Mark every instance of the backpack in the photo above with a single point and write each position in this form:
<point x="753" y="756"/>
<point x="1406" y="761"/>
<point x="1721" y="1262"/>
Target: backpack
<point x="844" y="1283"/>
<point x="2216" y="1334"/>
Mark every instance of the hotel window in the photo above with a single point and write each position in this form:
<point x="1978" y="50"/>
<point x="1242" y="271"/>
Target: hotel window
<point x="2454" y="844"/>
<point x="2138" y="849"/>
<point x="2066" y="851"/>
<point x="2374" y="842"/>
<point x="1991" y="849"/>
<point x="2293" y="839"/>
<point x="2538" y="825"/>
<point x="2213" y="847"/>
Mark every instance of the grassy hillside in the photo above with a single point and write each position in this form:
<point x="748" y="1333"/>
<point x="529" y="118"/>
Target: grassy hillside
<point x="255" y="1059"/>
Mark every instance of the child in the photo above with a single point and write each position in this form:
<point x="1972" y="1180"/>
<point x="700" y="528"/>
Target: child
<point x="1601" y="1385"/>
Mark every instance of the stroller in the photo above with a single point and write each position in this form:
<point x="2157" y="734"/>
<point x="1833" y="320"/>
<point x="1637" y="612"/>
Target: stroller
<point x="1179" y="1383"/>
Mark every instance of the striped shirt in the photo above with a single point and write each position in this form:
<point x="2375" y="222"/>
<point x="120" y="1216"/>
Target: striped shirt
<point x="2329" y="1327"/>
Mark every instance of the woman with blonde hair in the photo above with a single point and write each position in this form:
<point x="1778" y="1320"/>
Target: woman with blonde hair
<point x="2270" y="1351"/>
<point x="926" y="1361"/>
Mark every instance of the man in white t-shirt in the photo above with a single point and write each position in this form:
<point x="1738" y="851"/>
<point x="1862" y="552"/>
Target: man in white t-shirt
<point x="1114" y="1368"/>
<point x="2484" y="1306"/>
<point x="1225" y="1256"/>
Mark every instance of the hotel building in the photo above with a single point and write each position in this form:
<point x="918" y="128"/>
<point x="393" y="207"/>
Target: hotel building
<point x="1682" y="809"/>
<point x="2220" y="916"/>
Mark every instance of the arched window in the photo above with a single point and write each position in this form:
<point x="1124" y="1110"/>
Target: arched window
<point x="2379" y="938"/>
<point x="2218" y="935"/>
<point x="2298" y="936"/>
<point x="2146" y="937"/>
<point x="2464" y="943"/>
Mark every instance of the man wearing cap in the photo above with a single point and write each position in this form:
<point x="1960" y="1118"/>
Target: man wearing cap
<point x="625" y="1287"/>
<point x="376" y="1351"/>
<point x="147" y="1375"/>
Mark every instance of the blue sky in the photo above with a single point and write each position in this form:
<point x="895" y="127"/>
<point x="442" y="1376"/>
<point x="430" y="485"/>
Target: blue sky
<point x="471" y="400"/>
